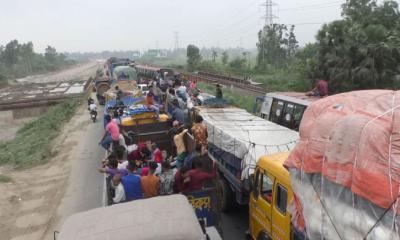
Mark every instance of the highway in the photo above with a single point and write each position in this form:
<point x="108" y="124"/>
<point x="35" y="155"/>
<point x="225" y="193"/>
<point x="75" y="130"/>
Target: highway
<point x="86" y="186"/>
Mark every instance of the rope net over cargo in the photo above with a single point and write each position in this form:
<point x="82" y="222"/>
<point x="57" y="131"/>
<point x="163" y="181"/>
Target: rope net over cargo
<point x="240" y="138"/>
<point x="345" y="171"/>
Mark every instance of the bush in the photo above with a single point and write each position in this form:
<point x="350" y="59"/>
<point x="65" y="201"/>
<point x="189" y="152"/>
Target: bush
<point x="32" y="144"/>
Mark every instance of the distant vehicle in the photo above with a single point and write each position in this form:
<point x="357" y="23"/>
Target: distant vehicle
<point x="283" y="108"/>
<point x="93" y="115"/>
<point x="147" y="73"/>
<point x="236" y="140"/>
<point x="143" y="88"/>
<point x="153" y="218"/>
<point x="114" y="68"/>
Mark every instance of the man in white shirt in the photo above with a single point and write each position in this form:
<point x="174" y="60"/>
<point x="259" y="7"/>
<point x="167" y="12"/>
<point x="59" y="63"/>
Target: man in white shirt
<point x="92" y="107"/>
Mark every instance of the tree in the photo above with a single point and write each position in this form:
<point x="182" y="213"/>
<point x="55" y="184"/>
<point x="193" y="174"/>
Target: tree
<point x="362" y="50"/>
<point x="238" y="64"/>
<point x="11" y="52"/>
<point x="214" y="55"/>
<point x="225" y="57"/>
<point x="292" y="43"/>
<point x="193" y="57"/>
<point x="27" y="54"/>
<point x="50" y="54"/>
<point x="275" y="46"/>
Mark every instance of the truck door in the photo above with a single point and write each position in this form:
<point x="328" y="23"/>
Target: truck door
<point x="260" y="204"/>
<point x="280" y="216"/>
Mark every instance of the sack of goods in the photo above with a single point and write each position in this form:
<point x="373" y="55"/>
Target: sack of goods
<point x="345" y="171"/>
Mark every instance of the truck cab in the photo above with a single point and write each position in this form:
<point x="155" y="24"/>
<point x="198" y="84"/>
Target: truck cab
<point x="269" y="199"/>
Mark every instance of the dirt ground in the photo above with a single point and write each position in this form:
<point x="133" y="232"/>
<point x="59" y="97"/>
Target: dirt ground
<point x="28" y="204"/>
<point x="82" y="71"/>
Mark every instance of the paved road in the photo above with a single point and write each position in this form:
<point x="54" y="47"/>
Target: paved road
<point x="85" y="189"/>
<point x="235" y="223"/>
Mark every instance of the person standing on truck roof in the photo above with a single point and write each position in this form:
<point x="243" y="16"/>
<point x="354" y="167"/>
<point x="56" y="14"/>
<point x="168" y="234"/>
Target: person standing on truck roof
<point x="196" y="177"/>
<point x="218" y="92"/>
<point x="320" y="89"/>
<point x="180" y="147"/>
<point x="178" y="114"/>
<point x="200" y="132"/>
<point x="132" y="185"/>
<point x="151" y="183"/>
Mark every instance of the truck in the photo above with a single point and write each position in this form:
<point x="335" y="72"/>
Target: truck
<point x="236" y="140"/>
<point x="283" y="108"/>
<point x="340" y="181"/>
<point x="160" y="218"/>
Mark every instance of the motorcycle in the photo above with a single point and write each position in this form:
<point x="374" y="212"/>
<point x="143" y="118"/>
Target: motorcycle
<point x="93" y="115"/>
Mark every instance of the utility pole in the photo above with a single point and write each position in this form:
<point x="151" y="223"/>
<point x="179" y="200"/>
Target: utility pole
<point x="268" y="18"/>
<point x="176" y="36"/>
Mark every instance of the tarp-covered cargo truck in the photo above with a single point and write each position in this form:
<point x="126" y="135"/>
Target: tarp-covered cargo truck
<point x="236" y="140"/>
<point x="345" y="170"/>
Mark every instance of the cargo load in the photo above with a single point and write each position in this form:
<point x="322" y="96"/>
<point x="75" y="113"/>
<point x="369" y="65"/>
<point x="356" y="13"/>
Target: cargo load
<point x="345" y="171"/>
<point x="243" y="138"/>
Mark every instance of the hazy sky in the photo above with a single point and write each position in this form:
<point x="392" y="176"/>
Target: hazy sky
<point x="95" y="25"/>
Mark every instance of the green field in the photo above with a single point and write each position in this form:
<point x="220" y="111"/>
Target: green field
<point x="235" y="98"/>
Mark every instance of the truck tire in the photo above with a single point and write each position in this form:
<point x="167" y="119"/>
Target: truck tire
<point x="264" y="236"/>
<point x="227" y="195"/>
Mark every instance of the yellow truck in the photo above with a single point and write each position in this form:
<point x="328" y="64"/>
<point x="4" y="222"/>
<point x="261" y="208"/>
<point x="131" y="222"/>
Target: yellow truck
<point x="269" y="199"/>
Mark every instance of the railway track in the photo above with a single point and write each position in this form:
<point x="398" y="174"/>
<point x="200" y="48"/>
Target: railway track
<point x="212" y="78"/>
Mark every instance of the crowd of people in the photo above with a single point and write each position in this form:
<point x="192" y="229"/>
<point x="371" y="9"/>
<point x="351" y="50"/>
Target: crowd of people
<point x="144" y="170"/>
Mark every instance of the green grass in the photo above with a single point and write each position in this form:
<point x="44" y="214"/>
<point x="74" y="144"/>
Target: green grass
<point x="5" y="178"/>
<point x="235" y="98"/>
<point x="32" y="143"/>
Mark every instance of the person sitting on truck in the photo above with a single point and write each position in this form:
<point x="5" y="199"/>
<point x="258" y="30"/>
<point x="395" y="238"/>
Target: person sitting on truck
<point x="119" y="195"/>
<point x="120" y="154"/>
<point x="196" y="177"/>
<point x="181" y="91"/>
<point x="167" y="179"/>
<point x="111" y="167"/>
<point x="178" y="114"/>
<point x="151" y="182"/>
<point x="189" y="159"/>
<point x="132" y="184"/>
<point x="156" y="153"/>
<point x="111" y="135"/>
<point x="180" y="176"/>
<point x="199" y="131"/>
<point x="149" y="102"/>
<point x="320" y="89"/>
